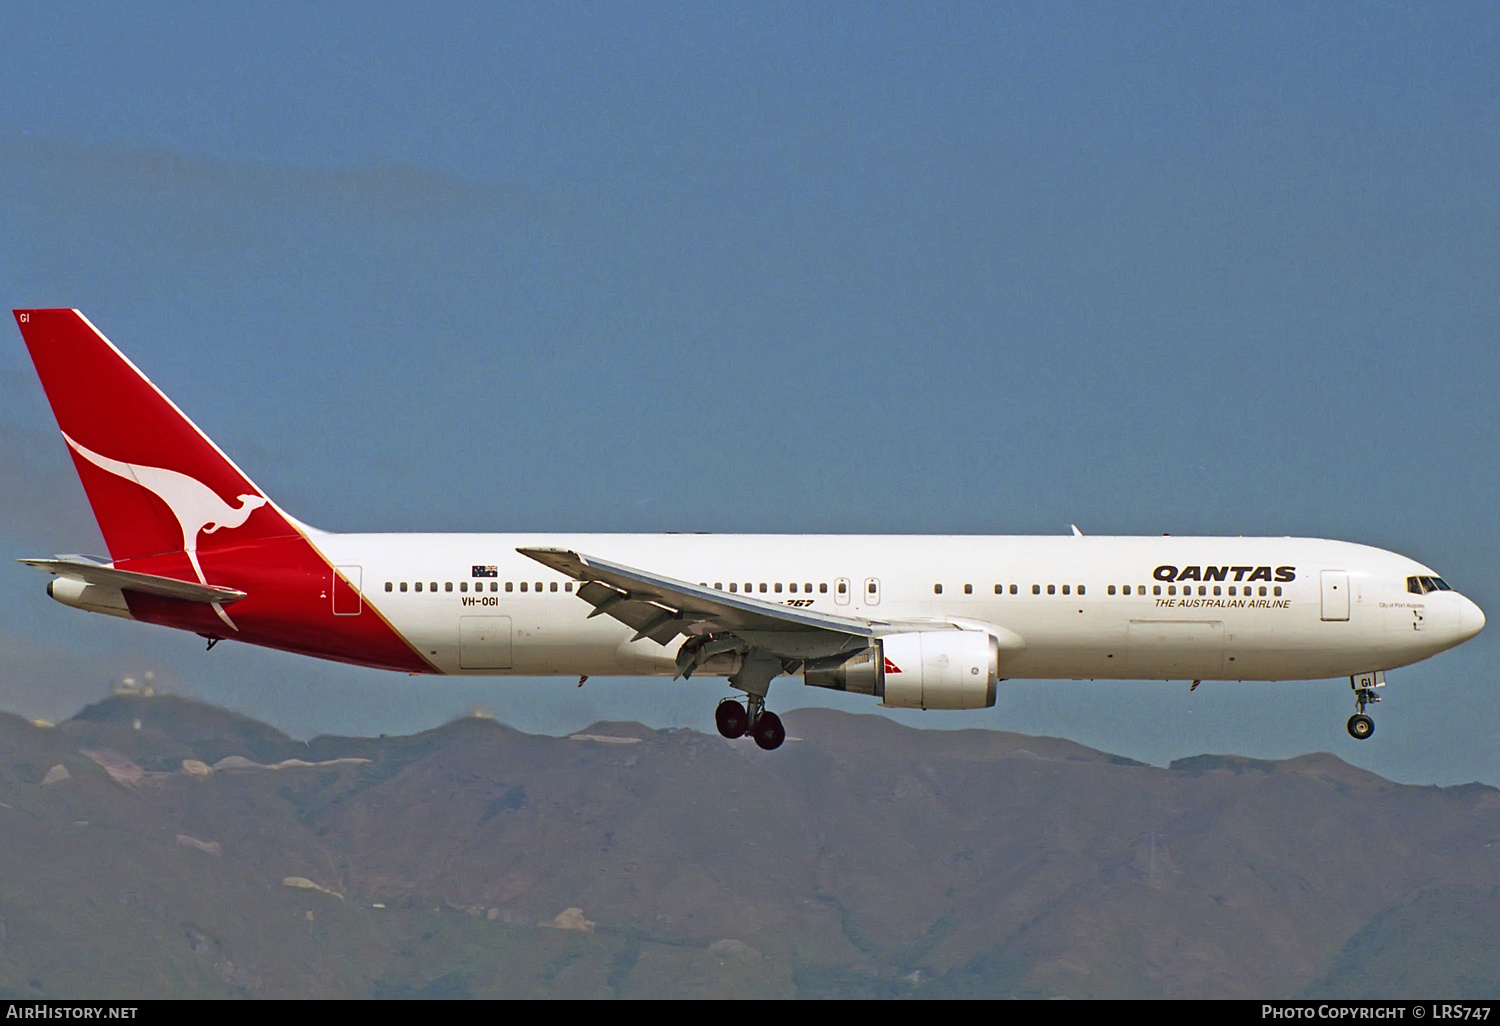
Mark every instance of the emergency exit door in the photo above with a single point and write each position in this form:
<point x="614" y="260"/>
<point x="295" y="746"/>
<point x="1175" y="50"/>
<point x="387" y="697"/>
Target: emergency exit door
<point x="348" y="599"/>
<point x="1335" y="595"/>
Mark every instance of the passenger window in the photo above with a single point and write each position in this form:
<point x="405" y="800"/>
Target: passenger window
<point x="792" y="587"/>
<point x="509" y="585"/>
<point x="823" y="589"/>
<point x="1081" y="589"/>
<point x="1262" y="591"/>
<point x="776" y="588"/>
<point x="1277" y="591"/>
<point x="1036" y="589"/>
<point x="447" y="585"/>
<point x="749" y="587"/>
<point x="1155" y="589"/>
<point x="568" y="586"/>
<point x="870" y="587"/>
<point x="523" y="585"/>
<point x="432" y="586"/>
<point x="1110" y="590"/>
<point x="387" y="585"/>
<point x="937" y="589"/>
<point x="419" y="586"/>
<point x="999" y="589"/>
<point x="538" y="585"/>
<point x="733" y="586"/>
<point x="1013" y="589"/>
<point x="1171" y="589"/>
<point x="1066" y="589"/>
<point x="403" y="585"/>
<point x="842" y="587"/>
<point x="968" y="589"/>
<point x="1216" y="589"/>
<point x="494" y="586"/>
<point x="553" y="587"/>
<point x="718" y="586"/>
<point x="762" y="587"/>
<point x="464" y="586"/>
<point x="807" y="587"/>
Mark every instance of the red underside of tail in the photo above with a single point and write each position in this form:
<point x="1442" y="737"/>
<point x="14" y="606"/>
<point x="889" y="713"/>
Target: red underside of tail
<point x="288" y="606"/>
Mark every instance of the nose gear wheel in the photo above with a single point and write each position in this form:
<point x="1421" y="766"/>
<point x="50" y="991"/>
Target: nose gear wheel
<point x="1360" y="726"/>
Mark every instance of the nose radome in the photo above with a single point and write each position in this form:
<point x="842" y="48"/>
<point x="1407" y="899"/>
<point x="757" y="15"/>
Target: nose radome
<point x="1470" y="619"/>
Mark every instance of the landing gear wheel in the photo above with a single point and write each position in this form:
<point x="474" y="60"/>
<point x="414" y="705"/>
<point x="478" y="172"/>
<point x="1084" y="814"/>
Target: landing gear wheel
<point x="731" y="718"/>
<point x="768" y="731"/>
<point x="1361" y="726"/>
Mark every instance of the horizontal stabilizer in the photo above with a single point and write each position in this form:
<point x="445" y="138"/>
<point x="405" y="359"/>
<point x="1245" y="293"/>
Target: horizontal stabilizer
<point x="107" y="576"/>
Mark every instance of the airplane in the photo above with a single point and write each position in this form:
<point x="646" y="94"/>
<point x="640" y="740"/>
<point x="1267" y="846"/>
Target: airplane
<point x="917" y="622"/>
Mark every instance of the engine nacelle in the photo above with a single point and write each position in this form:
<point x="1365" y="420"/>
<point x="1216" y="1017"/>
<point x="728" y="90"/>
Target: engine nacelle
<point x="91" y="597"/>
<point x="921" y="670"/>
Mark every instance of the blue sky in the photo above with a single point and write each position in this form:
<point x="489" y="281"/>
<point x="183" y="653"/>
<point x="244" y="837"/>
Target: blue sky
<point x="878" y="268"/>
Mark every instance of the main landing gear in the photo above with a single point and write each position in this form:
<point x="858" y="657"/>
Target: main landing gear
<point x="1364" y="684"/>
<point x="734" y="720"/>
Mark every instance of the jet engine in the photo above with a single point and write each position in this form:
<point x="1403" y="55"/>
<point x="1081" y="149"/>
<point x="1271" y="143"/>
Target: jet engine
<point x="921" y="670"/>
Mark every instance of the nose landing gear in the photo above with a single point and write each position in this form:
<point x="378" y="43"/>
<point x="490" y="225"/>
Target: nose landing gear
<point x="734" y="720"/>
<point x="1361" y="726"/>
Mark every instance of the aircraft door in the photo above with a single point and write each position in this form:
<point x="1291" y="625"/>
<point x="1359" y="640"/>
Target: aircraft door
<point x="484" y="642"/>
<point x="1335" y="595"/>
<point x="872" y="591"/>
<point x="841" y="591"/>
<point x="347" y="585"/>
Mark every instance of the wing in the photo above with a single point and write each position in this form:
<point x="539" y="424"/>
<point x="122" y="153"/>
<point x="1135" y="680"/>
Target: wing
<point x="660" y="608"/>
<point x="128" y="580"/>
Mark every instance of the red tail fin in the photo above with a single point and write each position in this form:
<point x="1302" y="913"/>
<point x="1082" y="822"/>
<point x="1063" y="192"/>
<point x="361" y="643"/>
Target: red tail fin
<point x="156" y="482"/>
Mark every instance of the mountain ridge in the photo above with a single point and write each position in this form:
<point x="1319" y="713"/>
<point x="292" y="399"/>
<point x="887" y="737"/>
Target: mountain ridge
<point x="866" y="858"/>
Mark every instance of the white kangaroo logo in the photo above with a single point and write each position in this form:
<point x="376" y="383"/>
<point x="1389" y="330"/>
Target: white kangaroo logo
<point x="196" y="506"/>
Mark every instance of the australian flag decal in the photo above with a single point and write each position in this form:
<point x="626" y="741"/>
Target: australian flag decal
<point x="486" y="571"/>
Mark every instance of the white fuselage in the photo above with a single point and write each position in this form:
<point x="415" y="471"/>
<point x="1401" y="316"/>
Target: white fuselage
<point x="1248" y="608"/>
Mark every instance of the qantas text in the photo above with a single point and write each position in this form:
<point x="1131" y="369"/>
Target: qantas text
<point x="1168" y="572"/>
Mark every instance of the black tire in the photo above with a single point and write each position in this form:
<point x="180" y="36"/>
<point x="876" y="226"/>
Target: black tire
<point x="1361" y="726"/>
<point x="768" y="731"/>
<point x="731" y="719"/>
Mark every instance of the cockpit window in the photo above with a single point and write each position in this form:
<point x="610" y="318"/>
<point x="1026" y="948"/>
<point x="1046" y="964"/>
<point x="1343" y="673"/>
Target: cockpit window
<point x="1422" y="585"/>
